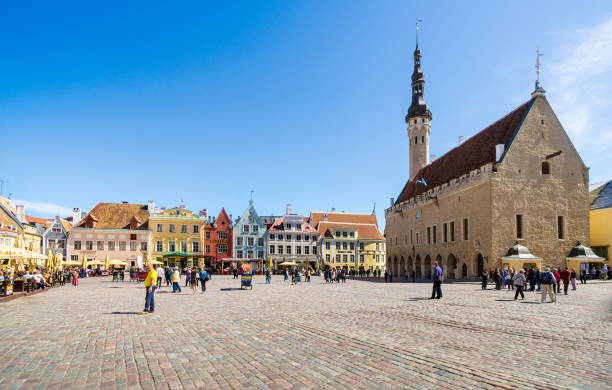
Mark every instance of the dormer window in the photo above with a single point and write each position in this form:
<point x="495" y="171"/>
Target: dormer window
<point x="545" y="168"/>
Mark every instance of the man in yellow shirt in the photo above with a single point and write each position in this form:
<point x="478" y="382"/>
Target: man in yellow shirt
<point x="150" y="284"/>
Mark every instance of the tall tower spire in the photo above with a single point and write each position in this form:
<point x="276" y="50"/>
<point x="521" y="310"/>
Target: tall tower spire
<point x="418" y="118"/>
<point x="538" y="91"/>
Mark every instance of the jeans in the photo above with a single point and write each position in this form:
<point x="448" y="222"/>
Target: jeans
<point x="565" y="286"/>
<point x="573" y="283"/>
<point x="150" y="299"/>
<point x="437" y="288"/>
<point x="176" y="287"/>
<point x="484" y="285"/>
<point x="519" y="290"/>
<point x="203" y="282"/>
<point x="268" y="280"/>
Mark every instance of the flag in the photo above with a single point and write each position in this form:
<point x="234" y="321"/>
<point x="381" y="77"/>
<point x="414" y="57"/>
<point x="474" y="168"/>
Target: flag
<point x="422" y="181"/>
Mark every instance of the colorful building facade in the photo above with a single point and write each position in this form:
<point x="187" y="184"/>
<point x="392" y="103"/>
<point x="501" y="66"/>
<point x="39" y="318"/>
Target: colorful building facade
<point x="177" y="237"/>
<point x="218" y="239"/>
<point x="601" y="220"/>
<point x="350" y="241"/>
<point x="291" y="238"/>
<point x="250" y="235"/>
<point x="119" y="230"/>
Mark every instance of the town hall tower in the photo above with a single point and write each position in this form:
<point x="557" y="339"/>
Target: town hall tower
<point x="418" y="120"/>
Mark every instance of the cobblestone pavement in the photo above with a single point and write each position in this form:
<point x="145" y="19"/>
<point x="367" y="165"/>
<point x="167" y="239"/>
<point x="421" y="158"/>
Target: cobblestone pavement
<point x="361" y="334"/>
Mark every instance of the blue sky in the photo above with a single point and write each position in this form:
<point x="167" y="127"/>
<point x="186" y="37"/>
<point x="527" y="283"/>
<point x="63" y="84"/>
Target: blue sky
<point x="302" y="102"/>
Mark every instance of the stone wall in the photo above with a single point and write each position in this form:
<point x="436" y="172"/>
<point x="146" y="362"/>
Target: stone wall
<point x="521" y="188"/>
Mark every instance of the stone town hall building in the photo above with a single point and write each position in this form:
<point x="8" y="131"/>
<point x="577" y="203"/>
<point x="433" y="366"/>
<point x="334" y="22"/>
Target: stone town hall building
<point x="518" y="180"/>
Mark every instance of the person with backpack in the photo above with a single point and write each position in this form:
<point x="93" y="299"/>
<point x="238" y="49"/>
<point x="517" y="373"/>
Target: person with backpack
<point x="519" y="281"/>
<point x="547" y="279"/>
<point x="268" y="276"/>
<point x="203" y="279"/>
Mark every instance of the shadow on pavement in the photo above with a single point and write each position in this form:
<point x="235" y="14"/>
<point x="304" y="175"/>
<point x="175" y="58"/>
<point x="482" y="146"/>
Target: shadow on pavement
<point x="418" y="299"/>
<point x="230" y="288"/>
<point x="123" y="312"/>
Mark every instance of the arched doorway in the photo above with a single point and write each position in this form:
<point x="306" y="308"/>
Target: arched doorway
<point x="395" y="266"/>
<point x="419" y="273"/>
<point x="427" y="266"/>
<point x="451" y="264"/>
<point x="389" y="264"/>
<point x="464" y="271"/>
<point x="479" y="264"/>
<point x="402" y="267"/>
<point x="410" y="265"/>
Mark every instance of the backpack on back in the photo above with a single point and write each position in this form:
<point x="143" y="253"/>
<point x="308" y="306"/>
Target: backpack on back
<point x="545" y="278"/>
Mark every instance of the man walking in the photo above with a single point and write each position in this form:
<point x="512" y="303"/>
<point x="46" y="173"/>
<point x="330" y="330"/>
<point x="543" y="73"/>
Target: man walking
<point x="565" y="277"/>
<point x="557" y="285"/>
<point x="150" y="284"/>
<point x="160" y="272"/>
<point x="547" y="279"/>
<point x="437" y="282"/>
<point x="176" y="280"/>
<point x="518" y="280"/>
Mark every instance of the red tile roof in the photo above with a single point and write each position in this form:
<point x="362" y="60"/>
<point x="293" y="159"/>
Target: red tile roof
<point x="363" y="230"/>
<point x="38" y="220"/>
<point x="477" y="151"/>
<point x="116" y="216"/>
<point x="278" y="226"/>
<point x="317" y="216"/>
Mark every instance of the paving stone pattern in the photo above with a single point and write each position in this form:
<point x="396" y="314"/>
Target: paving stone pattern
<point x="358" y="335"/>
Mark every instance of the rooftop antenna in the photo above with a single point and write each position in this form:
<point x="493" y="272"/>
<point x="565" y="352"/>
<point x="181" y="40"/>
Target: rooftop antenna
<point x="251" y="200"/>
<point x="374" y="210"/>
<point x="2" y="186"/>
<point x="418" y="27"/>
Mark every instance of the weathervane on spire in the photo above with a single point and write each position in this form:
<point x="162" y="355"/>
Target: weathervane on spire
<point x="538" y="67"/>
<point x="418" y="27"/>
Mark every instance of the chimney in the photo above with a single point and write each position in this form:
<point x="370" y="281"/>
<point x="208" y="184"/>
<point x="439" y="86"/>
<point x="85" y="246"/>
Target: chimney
<point x="392" y="201"/>
<point x="231" y="218"/>
<point x="324" y="217"/>
<point x="460" y="140"/>
<point x="288" y="209"/>
<point x="124" y="202"/>
<point x="76" y="216"/>
<point x="20" y="212"/>
<point x="333" y="210"/>
<point x="151" y="206"/>
<point x="432" y="158"/>
<point x="499" y="151"/>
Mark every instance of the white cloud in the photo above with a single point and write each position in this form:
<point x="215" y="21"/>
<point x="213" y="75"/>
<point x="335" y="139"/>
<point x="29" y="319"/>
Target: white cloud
<point x="48" y="209"/>
<point x="579" y="81"/>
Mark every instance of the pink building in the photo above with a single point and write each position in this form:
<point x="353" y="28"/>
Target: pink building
<point x="120" y="230"/>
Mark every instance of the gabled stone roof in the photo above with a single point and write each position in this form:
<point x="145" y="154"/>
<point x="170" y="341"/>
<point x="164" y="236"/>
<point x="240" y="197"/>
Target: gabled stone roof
<point x="474" y="153"/>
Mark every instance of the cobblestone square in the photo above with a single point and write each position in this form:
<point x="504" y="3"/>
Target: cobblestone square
<point x="362" y="334"/>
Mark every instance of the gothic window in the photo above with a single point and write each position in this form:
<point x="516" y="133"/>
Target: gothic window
<point x="422" y="139"/>
<point x="416" y="140"/>
<point x="545" y="168"/>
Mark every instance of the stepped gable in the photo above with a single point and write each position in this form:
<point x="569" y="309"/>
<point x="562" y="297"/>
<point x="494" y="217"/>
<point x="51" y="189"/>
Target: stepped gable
<point x="117" y="216"/>
<point x="472" y="154"/>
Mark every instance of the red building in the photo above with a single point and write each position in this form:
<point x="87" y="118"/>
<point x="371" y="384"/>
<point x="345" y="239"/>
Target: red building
<point x="218" y="239"/>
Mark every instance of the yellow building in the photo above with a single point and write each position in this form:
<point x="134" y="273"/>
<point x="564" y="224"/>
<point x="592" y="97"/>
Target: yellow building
<point x="601" y="219"/>
<point x="350" y="241"/>
<point x="177" y="237"/>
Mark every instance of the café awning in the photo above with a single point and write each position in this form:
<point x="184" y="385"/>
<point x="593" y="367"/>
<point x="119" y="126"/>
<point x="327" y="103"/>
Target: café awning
<point x="177" y="254"/>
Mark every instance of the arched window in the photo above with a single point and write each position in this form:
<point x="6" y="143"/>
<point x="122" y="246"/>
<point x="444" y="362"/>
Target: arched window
<point x="422" y="139"/>
<point x="416" y="140"/>
<point x="545" y="168"/>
